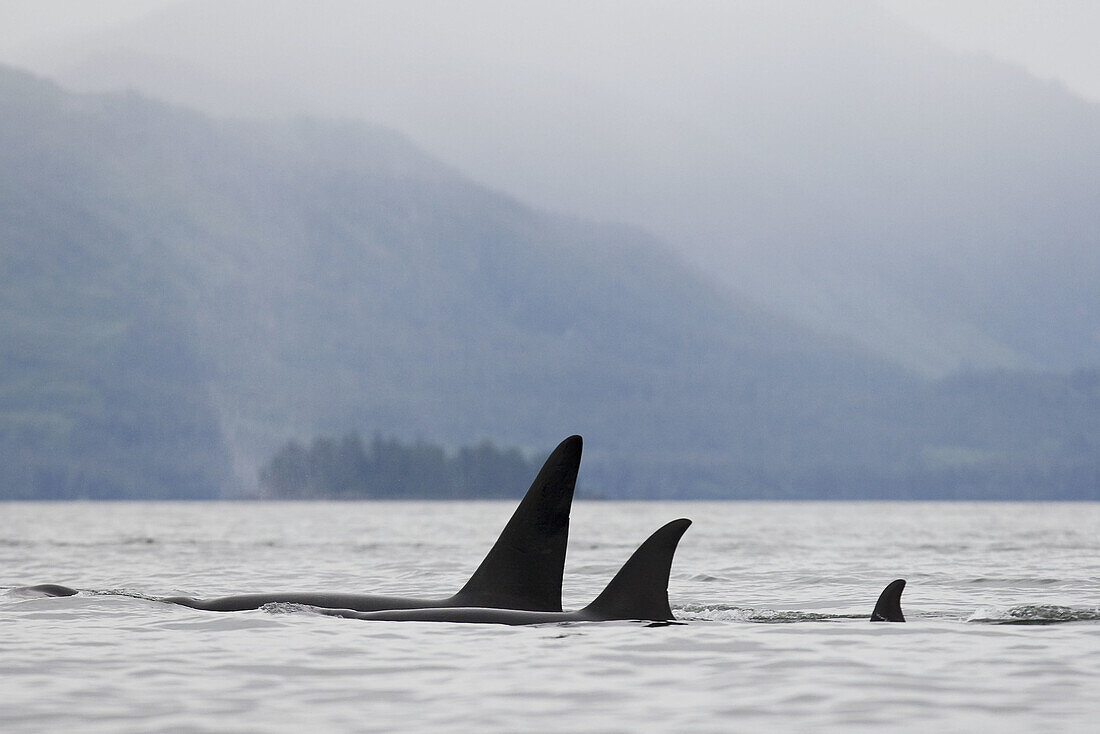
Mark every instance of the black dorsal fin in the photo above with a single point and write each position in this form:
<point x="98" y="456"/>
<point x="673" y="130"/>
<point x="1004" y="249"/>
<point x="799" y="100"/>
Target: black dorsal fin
<point x="888" y="608"/>
<point x="524" y="567"/>
<point x="640" y="588"/>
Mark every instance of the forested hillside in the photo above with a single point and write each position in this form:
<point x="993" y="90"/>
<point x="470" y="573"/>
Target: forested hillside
<point x="821" y="156"/>
<point x="183" y="295"/>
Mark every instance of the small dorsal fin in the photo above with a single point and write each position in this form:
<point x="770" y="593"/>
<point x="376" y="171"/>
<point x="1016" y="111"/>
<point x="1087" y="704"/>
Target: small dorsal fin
<point x="888" y="608"/>
<point x="640" y="588"/>
<point x="524" y="567"/>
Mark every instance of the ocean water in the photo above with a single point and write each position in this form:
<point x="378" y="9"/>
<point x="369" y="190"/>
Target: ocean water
<point x="1003" y="604"/>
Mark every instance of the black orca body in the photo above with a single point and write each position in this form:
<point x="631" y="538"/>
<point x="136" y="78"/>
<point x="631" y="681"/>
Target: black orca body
<point x="639" y="591"/>
<point x="888" y="608"/>
<point x="523" y="569"/>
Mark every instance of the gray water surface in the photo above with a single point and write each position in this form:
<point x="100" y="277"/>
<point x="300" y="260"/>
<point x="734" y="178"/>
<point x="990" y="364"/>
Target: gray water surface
<point x="1003" y="634"/>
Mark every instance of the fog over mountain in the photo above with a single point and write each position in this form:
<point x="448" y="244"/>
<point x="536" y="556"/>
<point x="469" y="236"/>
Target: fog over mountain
<point x="180" y="295"/>
<point x="822" y="158"/>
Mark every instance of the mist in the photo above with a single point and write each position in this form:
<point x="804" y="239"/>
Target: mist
<point x="811" y="219"/>
<point x="826" y="159"/>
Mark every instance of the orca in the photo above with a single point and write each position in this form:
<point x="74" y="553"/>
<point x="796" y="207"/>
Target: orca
<point x="45" y="590"/>
<point x="639" y="591"/>
<point x="888" y="608"/>
<point x="523" y="569"/>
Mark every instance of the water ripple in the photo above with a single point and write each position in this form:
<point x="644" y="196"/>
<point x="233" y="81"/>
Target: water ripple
<point x="1035" y="614"/>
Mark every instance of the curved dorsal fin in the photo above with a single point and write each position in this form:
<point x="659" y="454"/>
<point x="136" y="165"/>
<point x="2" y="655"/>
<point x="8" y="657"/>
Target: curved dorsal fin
<point x="888" y="608"/>
<point x="524" y="567"/>
<point x="640" y="588"/>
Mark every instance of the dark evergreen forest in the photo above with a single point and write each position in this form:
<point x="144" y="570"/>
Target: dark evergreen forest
<point x="348" y="468"/>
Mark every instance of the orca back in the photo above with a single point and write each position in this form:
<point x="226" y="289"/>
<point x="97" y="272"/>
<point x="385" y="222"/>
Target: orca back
<point x="523" y="569"/>
<point x="45" y="590"/>
<point x="888" y="608"/>
<point x="640" y="588"/>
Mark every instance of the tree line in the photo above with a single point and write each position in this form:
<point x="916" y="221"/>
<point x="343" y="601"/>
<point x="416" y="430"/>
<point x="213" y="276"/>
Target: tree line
<point x="387" y="468"/>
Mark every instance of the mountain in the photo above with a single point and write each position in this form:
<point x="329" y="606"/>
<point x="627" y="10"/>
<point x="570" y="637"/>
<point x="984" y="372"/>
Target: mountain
<point x="183" y="294"/>
<point x="818" y="156"/>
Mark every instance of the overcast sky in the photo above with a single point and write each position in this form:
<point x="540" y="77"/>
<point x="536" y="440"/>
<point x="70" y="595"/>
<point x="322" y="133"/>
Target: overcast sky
<point x="1051" y="38"/>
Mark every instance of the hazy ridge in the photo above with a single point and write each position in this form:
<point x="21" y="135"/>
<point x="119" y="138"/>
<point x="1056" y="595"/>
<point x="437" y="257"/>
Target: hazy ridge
<point x="817" y="155"/>
<point x="182" y="295"/>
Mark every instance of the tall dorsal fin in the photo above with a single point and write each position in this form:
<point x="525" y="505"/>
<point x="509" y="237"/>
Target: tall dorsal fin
<point x="888" y="608"/>
<point x="524" y="567"/>
<point x="640" y="588"/>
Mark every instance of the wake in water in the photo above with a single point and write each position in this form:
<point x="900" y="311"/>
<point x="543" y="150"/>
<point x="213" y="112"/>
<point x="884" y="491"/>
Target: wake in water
<point x="887" y="609"/>
<point x="1040" y="614"/>
<point x="725" y="613"/>
<point x="1035" y="614"/>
